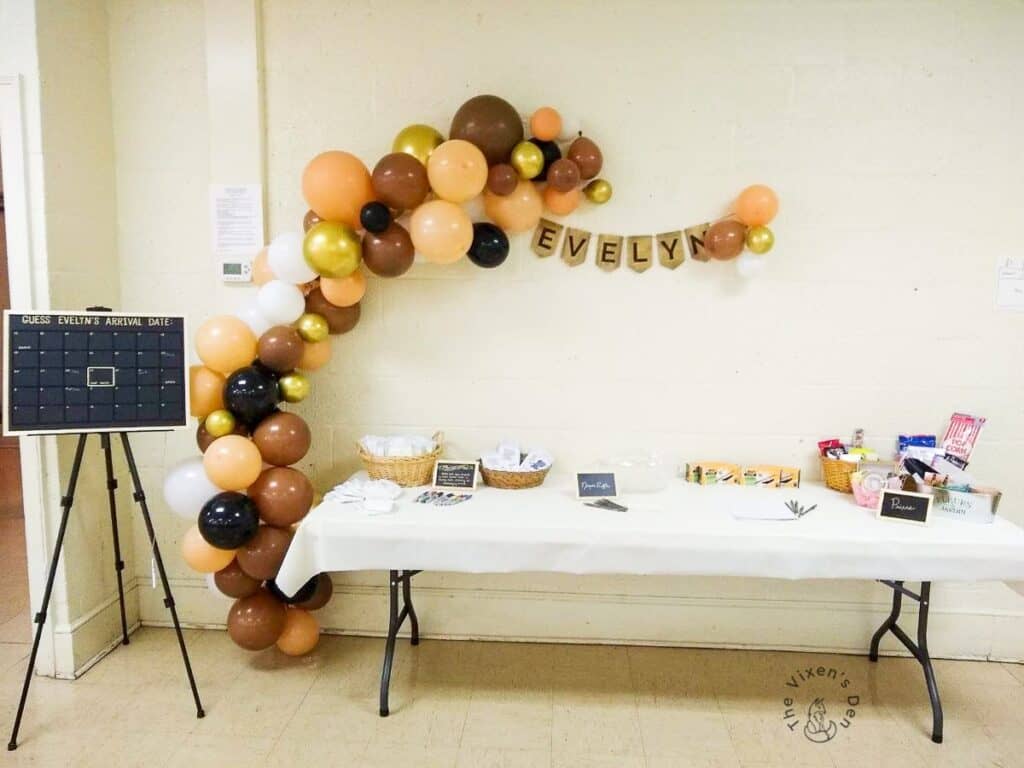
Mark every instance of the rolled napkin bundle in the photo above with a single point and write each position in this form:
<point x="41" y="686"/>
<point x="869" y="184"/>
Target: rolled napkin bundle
<point x="375" y="497"/>
<point x="508" y="458"/>
<point x="397" y="445"/>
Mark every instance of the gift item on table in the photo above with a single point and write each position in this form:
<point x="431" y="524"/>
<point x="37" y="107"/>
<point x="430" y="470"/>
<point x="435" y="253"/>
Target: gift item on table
<point x="972" y="505"/>
<point x="374" y="497"/>
<point x="870" y="479"/>
<point x="761" y="475"/>
<point x="712" y="472"/>
<point x="960" y="438"/>
<point x="397" y="445"/>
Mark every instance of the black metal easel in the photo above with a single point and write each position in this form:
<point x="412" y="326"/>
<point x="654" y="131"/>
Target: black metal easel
<point x="919" y="649"/>
<point x="66" y="502"/>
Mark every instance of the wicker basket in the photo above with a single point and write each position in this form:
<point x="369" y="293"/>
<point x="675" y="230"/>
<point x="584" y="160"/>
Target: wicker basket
<point x="837" y="474"/>
<point x="513" y="481"/>
<point x="407" y="471"/>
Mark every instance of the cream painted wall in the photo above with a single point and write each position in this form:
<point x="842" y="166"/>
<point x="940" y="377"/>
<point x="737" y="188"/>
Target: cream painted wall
<point x="888" y="129"/>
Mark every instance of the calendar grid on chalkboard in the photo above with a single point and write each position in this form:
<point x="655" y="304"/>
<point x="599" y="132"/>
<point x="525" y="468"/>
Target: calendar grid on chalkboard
<point x="69" y="372"/>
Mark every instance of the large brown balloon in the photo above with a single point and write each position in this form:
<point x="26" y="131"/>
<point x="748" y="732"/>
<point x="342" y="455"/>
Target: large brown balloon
<point x="587" y="156"/>
<point x="339" y="319"/>
<point x="400" y="181"/>
<point x="563" y="175"/>
<point x="204" y="438"/>
<point x="255" y="622"/>
<point x="492" y="124"/>
<point x="724" y="239"/>
<point x="262" y="555"/>
<point x="390" y="253"/>
<point x="280" y="348"/>
<point x="234" y="582"/>
<point x="282" y="438"/>
<point x="282" y="495"/>
<point x="324" y="590"/>
<point x="502" y="179"/>
<point x="310" y="220"/>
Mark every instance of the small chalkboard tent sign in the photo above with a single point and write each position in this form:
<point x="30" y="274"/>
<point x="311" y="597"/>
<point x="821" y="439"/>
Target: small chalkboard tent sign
<point x="452" y="475"/>
<point x="596" y="485"/>
<point x="905" y="506"/>
<point x="95" y="372"/>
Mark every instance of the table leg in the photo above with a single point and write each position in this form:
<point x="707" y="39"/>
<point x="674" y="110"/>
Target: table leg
<point x="396" y="618"/>
<point x="918" y="649"/>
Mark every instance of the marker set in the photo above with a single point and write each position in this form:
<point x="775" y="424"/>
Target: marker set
<point x="442" y="499"/>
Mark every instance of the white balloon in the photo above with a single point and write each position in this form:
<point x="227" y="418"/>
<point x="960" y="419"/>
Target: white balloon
<point x="285" y="259"/>
<point x="252" y="317"/>
<point x="749" y="265"/>
<point x="187" y="488"/>
<point x="279" y="302"/>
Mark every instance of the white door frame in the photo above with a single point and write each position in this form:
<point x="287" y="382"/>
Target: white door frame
<point x="30" y="289"/>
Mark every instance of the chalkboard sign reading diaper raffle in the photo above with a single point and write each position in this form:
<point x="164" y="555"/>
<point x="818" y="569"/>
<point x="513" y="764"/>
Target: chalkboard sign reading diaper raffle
<point x="905" y="506"/>
<point x="595" y="485"/>
<point x="455" y="475"/>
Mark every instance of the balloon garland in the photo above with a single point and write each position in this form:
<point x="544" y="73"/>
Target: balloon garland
<point x="243" y="487"/>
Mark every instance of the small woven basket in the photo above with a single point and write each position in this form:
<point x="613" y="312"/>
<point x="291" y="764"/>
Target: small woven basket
<point x="513" y="481"/>
<point x="837" y="474"/>
<point x="407" y="471"/>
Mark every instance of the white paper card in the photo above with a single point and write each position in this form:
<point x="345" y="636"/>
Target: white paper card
<point x="1010" y="285"/>
<point x="236" y="215"/>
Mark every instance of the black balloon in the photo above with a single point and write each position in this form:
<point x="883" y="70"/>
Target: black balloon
<point x="490" y="245"/>
<point x="305" y="592"/>
<point x="229" y="520"/>
<point x="551" y="153"/>
<point x="375" y="217"/>
<point x="251" y="394"/>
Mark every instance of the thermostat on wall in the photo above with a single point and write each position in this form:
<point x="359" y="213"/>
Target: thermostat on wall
<point x="236" y="271"/>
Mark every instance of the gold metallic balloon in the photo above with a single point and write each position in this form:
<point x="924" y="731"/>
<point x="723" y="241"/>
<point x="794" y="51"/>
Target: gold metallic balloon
<point x="313" y="327"/>
<point x="294" y="387"/>
<point x="760" y="239"/>
<point x="598" y="191"/>
<point x="527" y="159"/>
<point x="220" y="422"/>
<point x="332" y="249"/>
<point x="417" y="140"/>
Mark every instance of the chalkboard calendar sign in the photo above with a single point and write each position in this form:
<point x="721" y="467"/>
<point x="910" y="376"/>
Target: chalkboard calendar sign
<point x="93" y="372"/>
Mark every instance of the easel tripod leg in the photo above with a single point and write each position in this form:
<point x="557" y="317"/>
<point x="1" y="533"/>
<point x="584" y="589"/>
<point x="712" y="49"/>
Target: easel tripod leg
<point x="40" y="617"/>
<point x="140" y="497"/>
<point x="118" y="562"/>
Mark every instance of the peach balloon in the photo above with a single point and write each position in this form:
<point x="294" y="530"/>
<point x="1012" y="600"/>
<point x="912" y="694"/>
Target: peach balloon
<point x="301" y="632"/>
<point x="206" y="391"/>
<point x="517" y="212"/>
<point x="336" y="186"/>
<point x="261" y="271"/>
<point x="200" y="556"/>
<point x="562" y="203"/>
<point x="232" y="462"/>
<point x="457" y="171"/>
<point x="315" y="354"/>
<point x="225" y="343"/>
<point x="344" y="291"/>
<point x="546" y="124"/>
<point x="441" y="231"/>
<point x="757" y="205"/>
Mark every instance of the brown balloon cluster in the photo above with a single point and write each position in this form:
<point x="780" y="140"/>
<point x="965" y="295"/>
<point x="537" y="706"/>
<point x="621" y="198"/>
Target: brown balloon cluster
<point x="746" y="226"/>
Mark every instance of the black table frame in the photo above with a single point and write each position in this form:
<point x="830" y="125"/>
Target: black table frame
<point x="403" y="580"/>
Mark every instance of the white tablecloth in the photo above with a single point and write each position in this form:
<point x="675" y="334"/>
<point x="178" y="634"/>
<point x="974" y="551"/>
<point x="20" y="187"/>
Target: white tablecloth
<point x="686" y="529"/>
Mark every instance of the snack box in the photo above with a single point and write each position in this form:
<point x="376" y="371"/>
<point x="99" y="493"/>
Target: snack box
<point x="976" y="506"/>
<point x="761" y="475"/>
<point x="712" y="472"/>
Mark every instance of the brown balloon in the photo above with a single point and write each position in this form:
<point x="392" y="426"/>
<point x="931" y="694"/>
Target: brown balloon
<point x="282" y="495"/>
<point x="324" y="590"/>
<point x="282" y="438"/>
<point x="280" y="348"/>
<point x="492" y="124"/>
<point x="255" y="622"/>
<point x="563" y="175"/>
<point x="724" y="239"/>
<point x="502" y="179"/>
<point x="234" y="582"/>
<point x="400" y="181"/>
<point x="310" y="220"/>
<point x="204" y="438"/>
<point x="339" y="319"/>
<point x="262" y="555"/>
<point x="587" y="156"/>
<point x="389" y="254"/>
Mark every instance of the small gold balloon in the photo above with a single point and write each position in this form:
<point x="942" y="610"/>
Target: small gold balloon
<point x="527" y="159"/>
<point x="220" y="422"/>
<point x="294" y="387"/>
<point x="332" y="249"/>
<point x="417" y="140"/>
<point x="598" y="191"/>
<point x="313" y="327"/>
<point x="760" y="239"/>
